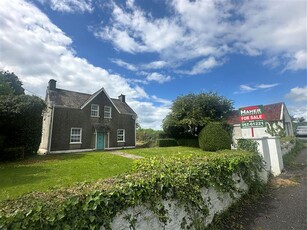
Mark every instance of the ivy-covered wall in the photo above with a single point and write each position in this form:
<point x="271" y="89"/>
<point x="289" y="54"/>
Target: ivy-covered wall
<point x="182" y="191"/>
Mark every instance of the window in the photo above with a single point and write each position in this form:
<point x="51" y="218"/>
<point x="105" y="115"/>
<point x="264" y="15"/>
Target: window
<point x="107" y="112"/>
<point x="94" y="110"/>
<point x="121" y="135"/>
<point x="75" y="135"/>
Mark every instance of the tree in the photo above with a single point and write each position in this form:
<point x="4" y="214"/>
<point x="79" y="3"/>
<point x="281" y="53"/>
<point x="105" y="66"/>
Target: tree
<point x="190" y="113"/>
<point x="20" y="119"/>
<point x="10" y="84"/>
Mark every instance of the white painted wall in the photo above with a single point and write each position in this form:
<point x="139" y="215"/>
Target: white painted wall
<point x="147" y="220"/>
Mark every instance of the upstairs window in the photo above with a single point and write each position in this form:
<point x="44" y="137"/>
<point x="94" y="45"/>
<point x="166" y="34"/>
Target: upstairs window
<point x="107" y="111"/>
<point x="120" y="135"/>
<point x="75" y="135"/>
<point x="94" y="110"/>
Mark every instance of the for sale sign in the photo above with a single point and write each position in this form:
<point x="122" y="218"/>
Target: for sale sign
<point x="252" y="116"/>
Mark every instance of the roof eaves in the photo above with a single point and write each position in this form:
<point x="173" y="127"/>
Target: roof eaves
<point x="94" y="95"/>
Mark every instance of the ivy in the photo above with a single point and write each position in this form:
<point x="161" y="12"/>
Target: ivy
<point x="152" y="181"/>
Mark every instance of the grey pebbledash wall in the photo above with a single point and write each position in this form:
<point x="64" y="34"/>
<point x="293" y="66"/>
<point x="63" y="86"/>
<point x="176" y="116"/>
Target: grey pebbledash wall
<point x="141" y="218"/>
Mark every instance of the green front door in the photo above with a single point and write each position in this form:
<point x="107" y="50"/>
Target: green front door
<point x="100" y="141"/>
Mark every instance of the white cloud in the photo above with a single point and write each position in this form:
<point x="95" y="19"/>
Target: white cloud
<point x="70" y="6"/>
<point x="124" y="64"/>
<point x="160" y="78"/>
<point x="152" y="115"/>
<point x="36" y="50"/>
<point x="298" y="61"/>
<point x="203" y="66"/>
<point x="154" y="65"/>
<point x="278" y="31"/>
<point x="298" y="94"/>
<point x="209" y="30"/>
<point x="251" y="88"/>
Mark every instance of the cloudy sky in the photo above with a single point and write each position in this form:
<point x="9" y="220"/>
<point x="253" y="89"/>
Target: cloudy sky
<point x="252" y="52"/>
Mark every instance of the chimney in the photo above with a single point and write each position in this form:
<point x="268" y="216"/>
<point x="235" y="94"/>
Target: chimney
<point x="52" y="84"/>
<point x="122" y="98"/>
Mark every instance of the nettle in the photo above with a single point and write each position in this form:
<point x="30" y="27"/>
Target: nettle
<point x="152" y="180"/>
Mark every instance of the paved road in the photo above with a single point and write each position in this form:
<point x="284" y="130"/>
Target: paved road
<point x="285" y="206"/>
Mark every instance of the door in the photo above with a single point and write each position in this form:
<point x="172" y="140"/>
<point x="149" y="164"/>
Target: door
<point x="100" y="141"/>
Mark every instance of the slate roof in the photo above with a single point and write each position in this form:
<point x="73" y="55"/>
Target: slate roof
<point x="272" y="112"/>
<point x="69" y="99"/>
<point x="76" y="100"/>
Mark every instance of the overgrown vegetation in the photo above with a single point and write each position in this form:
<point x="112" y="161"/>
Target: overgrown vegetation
<point x="274" y="129"/>
<point x="20" y="119"/>
<point x="248" y="145"/>
<point x="153" y="180"/>
<point x="289" y="157"/>
<point x="213" y="138"/>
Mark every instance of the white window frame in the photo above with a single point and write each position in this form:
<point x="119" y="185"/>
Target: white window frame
<point x="120" y="136"/>
<point x="73" y="136"/>
<point x="94" y="111"/>
<point x="107" y="112"/>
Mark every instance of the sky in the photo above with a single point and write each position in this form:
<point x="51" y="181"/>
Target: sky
<point x="153" y="51"/>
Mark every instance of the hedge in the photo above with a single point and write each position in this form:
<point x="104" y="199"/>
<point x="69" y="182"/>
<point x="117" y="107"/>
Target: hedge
<point x="90" y="206"/>
<point x="189" y="142"/>
<point x="167" y="142"/>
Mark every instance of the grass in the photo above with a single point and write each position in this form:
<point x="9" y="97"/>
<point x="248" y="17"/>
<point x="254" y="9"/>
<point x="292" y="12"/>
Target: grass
<point x="45" y="173"/>
<point x="42" y="173"/>
<point x="159" y="151"/>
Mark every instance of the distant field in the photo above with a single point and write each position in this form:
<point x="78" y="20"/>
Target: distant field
<point x="49" y="172"/>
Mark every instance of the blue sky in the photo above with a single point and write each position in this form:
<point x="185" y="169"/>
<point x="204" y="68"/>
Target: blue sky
<point x="252" y="52"/>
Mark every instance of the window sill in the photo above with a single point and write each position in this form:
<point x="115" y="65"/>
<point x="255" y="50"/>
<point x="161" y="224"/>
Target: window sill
<point x="95" y="116"/>
<point x="121" y="141"/>
<point x="75" y="143"/>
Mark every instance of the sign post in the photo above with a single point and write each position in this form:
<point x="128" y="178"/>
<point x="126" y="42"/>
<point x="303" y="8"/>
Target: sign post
<point x="252" y="117"/>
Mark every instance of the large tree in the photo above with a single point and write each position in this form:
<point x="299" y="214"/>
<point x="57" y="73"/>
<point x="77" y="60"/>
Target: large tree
<point x="20" y="118"/>
<point x="190" y="113"/>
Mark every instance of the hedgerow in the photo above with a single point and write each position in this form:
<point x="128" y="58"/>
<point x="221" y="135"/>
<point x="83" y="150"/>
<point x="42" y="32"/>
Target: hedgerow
<point x="152" y="180"/>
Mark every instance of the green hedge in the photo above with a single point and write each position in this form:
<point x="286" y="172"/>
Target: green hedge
<point x="90" y="206"/>
<point x="167" y="142"/>
<point x="213" y="138"/>
<point x="188" y="142"/>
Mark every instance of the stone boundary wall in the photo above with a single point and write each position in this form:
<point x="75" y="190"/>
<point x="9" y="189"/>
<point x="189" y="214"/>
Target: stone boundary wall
<point x="141" y="218"/>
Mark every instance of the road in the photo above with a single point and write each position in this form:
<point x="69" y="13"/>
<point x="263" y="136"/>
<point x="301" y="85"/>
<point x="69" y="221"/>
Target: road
<point x="285" y="205"/>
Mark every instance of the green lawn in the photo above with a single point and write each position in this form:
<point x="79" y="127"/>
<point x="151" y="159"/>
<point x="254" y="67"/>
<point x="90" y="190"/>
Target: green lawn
<point x="43" y="173"/>
<point x="165" y="151"/>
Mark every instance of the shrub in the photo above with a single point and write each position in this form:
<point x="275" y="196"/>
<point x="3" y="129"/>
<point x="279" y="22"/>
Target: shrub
<point x="12" y="154"/>
<point x="213" y="138"/>
<point x="248" y="145"/>
<point x="188" y="142"/>
<point x="167" y="142"/>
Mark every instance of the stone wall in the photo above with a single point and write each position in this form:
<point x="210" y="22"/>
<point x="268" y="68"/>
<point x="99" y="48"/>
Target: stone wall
<point x="142" y="218"/>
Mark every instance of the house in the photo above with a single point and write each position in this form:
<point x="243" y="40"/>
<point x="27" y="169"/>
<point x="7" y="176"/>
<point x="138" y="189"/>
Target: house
<point x="76" y="121"/>
<point x="275" y="115"/>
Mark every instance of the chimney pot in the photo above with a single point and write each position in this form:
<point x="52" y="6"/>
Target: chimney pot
<point x="122" y="98"/>
<point x="52" y="84"/>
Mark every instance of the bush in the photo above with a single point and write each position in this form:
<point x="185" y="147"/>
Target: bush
<point x="12" y="154"/>
<point x="213" y="138"/>
<point x="188" y="142"/>
<point x="248" y="145"/>
<point x="167" y="142"/>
